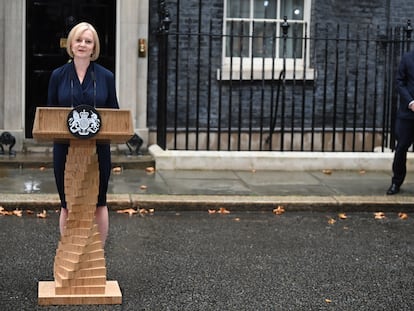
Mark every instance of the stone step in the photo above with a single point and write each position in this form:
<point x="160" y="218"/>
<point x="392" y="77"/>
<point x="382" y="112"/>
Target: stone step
<point x="39" y="159"/>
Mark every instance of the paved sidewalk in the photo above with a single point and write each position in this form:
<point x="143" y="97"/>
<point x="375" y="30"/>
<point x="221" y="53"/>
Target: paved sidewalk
<point x="27" y="182"/>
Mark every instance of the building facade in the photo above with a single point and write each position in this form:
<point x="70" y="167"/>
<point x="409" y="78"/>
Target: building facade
<point x="236" y="81"/>
<point x="131" y="24"/>
<point x="137" y="22"/>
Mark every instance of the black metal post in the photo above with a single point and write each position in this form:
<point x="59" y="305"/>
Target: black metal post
<point x="163" y="30"/>
<point x="408" y="31"/>
<point x="285" y="28"/>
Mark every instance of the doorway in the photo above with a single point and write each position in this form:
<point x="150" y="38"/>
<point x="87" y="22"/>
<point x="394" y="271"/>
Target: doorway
<point x="48" y="23"/>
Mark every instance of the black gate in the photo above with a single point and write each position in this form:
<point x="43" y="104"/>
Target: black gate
<point x="340" y="97"/>
<point x="48" y="24"/>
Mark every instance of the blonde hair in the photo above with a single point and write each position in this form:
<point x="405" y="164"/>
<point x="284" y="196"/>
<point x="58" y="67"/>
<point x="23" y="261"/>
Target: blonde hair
<point x="76" y="31"/>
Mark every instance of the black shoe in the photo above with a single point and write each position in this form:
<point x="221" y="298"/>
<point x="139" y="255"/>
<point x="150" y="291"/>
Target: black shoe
<point x="393" y="189"/>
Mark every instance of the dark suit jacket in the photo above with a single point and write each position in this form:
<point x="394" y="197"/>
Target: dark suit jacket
<point x="405" y="85"/>
<point x="65" y="90"/>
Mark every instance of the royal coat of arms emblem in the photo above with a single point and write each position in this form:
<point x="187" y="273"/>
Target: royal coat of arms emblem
<point x="84" y="121"/>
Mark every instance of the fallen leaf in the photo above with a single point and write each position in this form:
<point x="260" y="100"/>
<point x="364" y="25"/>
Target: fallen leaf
<point x="237" y="219"/>
<point x="379" y="215"/>
<point x="29" y="212"/>
<point x="150" y="170"/>
<point x="143" y="187"/>
<point x="18" y="213"/>
<point x="327" y="171"/>
<point x="362" y="171"/>
<point x="212" y="211"/>
<point x="403" y="216"/>
<point x="143" y="211"/>
<point x="279" y="210"/>
<point x="129" y="211"/>
<point x="4" y="212"/>
<point x="222" y="210"/>
<point x="331" y="221"/>
<point x="342" y="216"/>
<point x="42" y="168"/>
<point x="117" y="170"/>
<point x="328" y="300"/>
<point x="151" y="211"/>
<point x="42" y="214"/>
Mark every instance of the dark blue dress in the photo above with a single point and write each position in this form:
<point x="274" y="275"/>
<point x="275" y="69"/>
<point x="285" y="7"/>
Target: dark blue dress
<point x="97" y="89"/>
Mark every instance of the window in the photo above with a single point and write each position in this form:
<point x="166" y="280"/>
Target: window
<point x="253" y="36"/>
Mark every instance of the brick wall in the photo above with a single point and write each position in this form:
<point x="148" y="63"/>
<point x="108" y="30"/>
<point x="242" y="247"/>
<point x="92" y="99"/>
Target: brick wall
<point x="236" y="101"/>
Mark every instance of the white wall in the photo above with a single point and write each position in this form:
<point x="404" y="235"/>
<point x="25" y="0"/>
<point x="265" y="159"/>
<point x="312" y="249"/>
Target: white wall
<point x="12" y="68"/>
<point x="132" y="24"/>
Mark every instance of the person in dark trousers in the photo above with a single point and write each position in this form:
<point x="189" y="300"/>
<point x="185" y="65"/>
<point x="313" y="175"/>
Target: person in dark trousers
<point x="404" y="125"/>
<point x="83" y="82"/>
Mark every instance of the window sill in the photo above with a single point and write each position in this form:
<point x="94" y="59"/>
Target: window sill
<point x="225" y="74"/>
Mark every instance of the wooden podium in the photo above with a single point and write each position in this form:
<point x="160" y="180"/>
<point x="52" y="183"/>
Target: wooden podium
<point x="79" y="267"/>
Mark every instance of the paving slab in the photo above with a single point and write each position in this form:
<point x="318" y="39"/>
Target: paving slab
<point x="28" y="182"/>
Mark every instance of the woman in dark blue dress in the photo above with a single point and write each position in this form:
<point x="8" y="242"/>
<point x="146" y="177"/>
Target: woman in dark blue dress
<point x="83" y="82"/>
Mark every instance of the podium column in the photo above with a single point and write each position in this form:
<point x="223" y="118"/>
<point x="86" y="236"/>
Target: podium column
<point x="80" y="267"/>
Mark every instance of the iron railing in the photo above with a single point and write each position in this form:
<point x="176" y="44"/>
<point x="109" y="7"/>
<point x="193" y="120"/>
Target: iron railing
<point x="338" y="95"/>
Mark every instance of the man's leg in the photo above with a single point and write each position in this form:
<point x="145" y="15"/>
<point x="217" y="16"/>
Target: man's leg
<point x="404" y="133"/>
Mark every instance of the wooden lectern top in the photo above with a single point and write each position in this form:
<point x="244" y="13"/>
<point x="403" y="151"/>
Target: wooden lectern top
<point x="50" y="124"/>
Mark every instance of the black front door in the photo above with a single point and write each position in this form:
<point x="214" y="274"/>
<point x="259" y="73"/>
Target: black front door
<point x="48" y="24"/>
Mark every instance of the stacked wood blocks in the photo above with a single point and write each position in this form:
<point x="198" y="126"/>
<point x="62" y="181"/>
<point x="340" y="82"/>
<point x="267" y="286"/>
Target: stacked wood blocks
<point x="80" y="262"/>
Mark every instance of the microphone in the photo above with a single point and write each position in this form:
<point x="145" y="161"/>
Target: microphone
<point x="71" y="91"/>
<point x="94" y="88"/>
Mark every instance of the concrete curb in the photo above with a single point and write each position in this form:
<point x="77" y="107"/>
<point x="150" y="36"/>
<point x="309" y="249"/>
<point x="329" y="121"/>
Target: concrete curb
<point x="273" y="160"/>
<point x="179" y="203"/>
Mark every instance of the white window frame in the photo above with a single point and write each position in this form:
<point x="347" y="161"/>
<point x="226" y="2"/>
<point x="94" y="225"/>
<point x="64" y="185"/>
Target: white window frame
<point x="294" y="68"/>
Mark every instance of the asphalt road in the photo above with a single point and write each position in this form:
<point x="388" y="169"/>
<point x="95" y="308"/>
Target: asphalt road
<point x="238" y="261"/>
